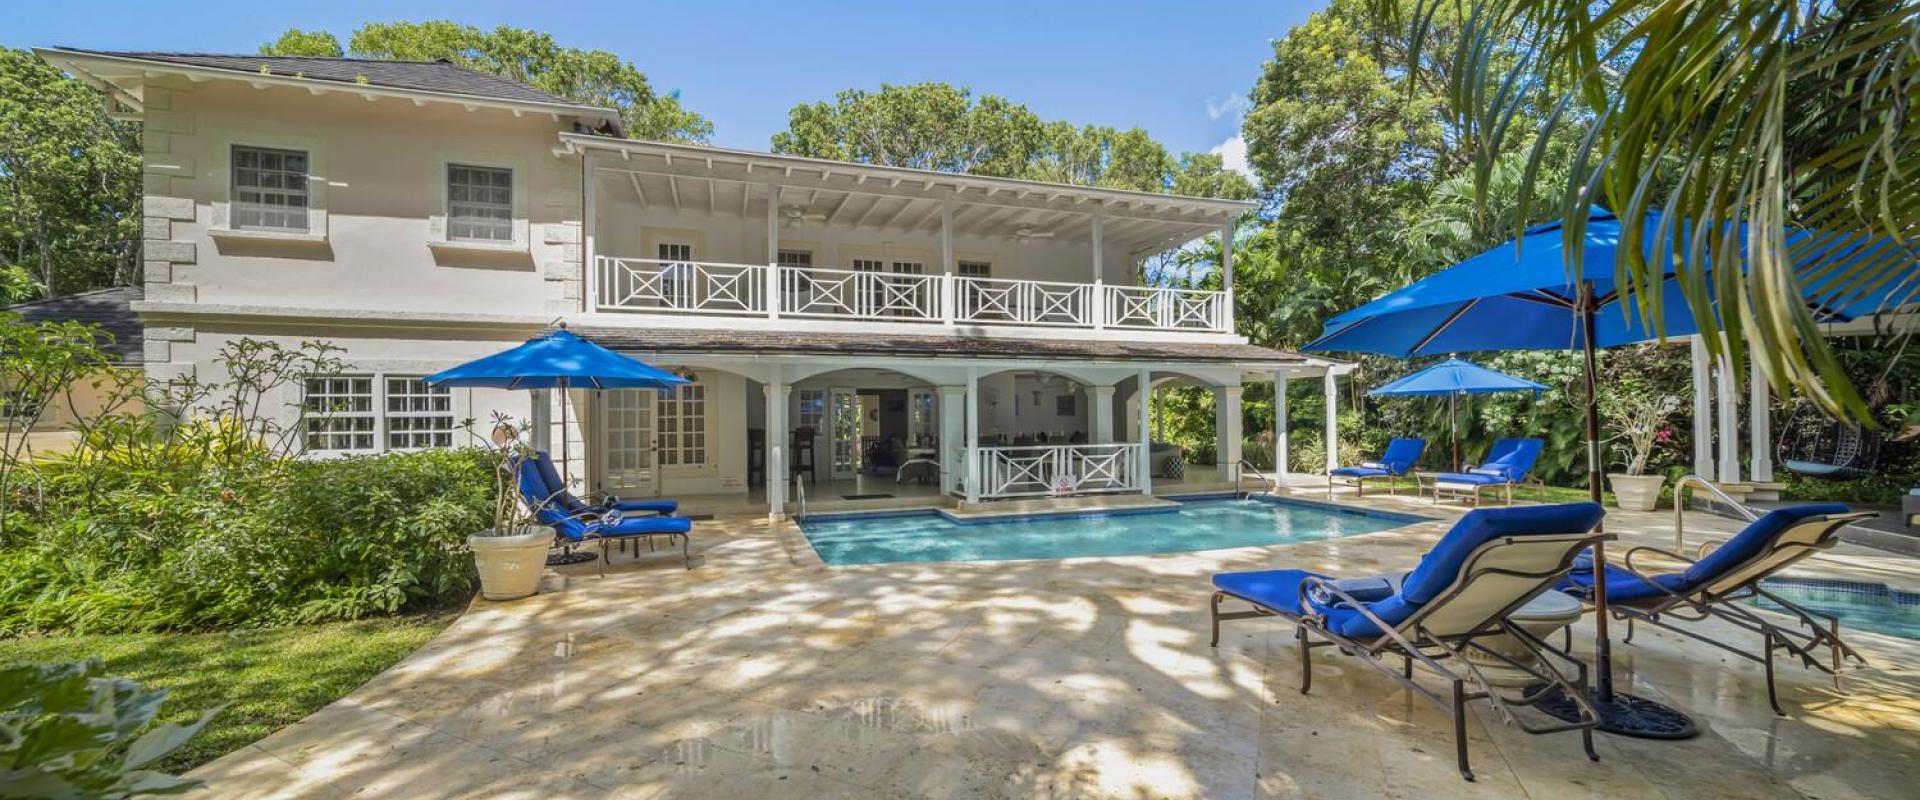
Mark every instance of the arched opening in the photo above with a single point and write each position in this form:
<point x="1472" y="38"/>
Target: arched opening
<point x="860" y="433"/>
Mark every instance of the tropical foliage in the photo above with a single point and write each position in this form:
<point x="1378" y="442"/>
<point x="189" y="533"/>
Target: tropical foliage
<point x="70" y="730"/>
<point x="938" y="126"/>
<point x="594" y="77"/>
<point x="1738" y="120"/>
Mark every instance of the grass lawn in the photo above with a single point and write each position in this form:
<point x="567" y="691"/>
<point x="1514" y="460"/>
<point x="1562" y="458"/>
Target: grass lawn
<point x="272" y="676"/>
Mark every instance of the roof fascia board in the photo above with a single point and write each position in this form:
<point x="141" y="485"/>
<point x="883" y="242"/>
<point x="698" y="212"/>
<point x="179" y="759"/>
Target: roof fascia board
<point x="67" y="59"/>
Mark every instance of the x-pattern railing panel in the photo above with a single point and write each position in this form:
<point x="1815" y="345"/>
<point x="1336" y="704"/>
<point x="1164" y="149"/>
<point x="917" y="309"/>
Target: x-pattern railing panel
<point x="680" y="286"/>
<point x="1062" y="469"/>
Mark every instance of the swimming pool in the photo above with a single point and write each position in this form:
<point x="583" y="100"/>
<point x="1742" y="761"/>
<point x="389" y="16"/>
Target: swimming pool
<point x="1864" y="606"/>
<point x="1199" y="524"/>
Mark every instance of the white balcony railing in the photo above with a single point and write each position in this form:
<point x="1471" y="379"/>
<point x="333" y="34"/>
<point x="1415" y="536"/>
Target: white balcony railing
<point x="1042" y="470"/>
<point x="698" y="287"/>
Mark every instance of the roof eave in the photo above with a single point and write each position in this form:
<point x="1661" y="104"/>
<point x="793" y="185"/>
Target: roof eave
<point x="929" y="177"/>
<point x="69" y="61"/>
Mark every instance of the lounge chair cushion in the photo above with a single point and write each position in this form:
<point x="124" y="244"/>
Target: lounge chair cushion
<point x="1622" y="586"/>
<point x="1360" y="472"/>
<point x="557" y="488"/>
<point x="580" y="529"/>
<point x="1470" y="477"/>
<point x="1439" y="568"/>
<point x="1754" y="540"/>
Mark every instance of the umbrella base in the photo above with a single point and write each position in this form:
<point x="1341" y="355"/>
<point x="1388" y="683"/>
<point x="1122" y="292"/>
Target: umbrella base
<point x="565" y="559"/>
<point x="1626" y="715"/>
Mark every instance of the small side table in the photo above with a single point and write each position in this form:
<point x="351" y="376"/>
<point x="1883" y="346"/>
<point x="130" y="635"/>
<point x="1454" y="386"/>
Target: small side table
<point x="1541" y="616"/>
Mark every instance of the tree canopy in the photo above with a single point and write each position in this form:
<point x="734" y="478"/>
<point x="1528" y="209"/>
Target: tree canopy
<point x="595" y="77"/>
<point x="69" y="185"/>
<point x="938" y="126"/>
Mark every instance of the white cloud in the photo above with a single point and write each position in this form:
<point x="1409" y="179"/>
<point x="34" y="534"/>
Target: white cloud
<point x="1233" y="155"/>
<point x="1232" y="107"/>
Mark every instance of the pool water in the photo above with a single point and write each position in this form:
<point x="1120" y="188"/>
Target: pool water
<point x="1861" y="606"/>
<point x="1208" y="524"/>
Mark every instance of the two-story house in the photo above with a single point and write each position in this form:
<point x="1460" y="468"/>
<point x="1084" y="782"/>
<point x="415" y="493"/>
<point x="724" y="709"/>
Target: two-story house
<point x="864" y="329"/>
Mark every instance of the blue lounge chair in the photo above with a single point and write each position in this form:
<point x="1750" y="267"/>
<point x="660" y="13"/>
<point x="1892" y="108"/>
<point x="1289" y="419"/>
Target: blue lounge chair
<point x="1395" y="462"/>
<point x="1507" y="465"/>
<point x="1493" y="562"/>
<point x="574" y="504"/>
<point x="592" y="525"/>
<point x="1724" y="572"/>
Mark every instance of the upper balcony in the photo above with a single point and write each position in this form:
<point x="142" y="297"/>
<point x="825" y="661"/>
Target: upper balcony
<point x="681" y="232"/>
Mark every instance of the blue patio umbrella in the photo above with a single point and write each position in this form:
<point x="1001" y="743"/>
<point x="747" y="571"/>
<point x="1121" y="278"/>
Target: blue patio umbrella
<point x="1521" y="296"/>
<point x="557" y="360"/>
<point x="1454" y="378"/>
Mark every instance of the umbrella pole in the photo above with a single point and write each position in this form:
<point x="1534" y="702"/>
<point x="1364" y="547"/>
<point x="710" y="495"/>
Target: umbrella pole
<point x="1453" y="427"/>
<point x="1620" y="713"/>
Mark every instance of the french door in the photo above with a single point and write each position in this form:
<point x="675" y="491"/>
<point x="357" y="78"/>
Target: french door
<point x="843" y="423"/>
<point x="627" y="418"/>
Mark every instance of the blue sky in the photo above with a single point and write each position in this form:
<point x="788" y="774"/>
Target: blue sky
<point x="1180" y="71"/>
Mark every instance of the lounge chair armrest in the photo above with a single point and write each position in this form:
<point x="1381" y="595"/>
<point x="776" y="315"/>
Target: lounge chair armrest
<point x="1667" y="554"/>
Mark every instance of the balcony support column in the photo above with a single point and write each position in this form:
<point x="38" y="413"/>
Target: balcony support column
<point x="1280" y="427"/>
<point x="1097" y="301"/>
<point x="773" y="251"/>
<point x="1226" y="430"/>
<point x="1223" y="321"/>
<point x="589" y="213"/>
<point x="973" y="436"/>
<point x="776" y="452"/>
<point x="1332" y="389"/>
<point x="949" y="298"/>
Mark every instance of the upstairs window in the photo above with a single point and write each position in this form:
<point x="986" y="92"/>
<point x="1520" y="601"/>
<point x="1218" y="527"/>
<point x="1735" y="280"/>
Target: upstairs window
<point x="269" y="190"/>
<point x="974" y="269"/>
<point x="479" y="203"/>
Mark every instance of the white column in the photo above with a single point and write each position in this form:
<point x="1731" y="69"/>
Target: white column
<point x="949" y="296"/>
<point x="1145" y="395"/>
<point x="1226" y="429"/>
<point x="1729" y="466"/>
<point x="1760" y="424"/>
<point x="973" y="435"/>
<point x="953" y="436"/>
<point x="1099" y="414"/>
<point x="1702" y="410"/>
<point x="1097" y="302"/>
<point x="776" y="455"/>
<point x="589" y="292"/>
<point x="773" y="249"/>
<point x="1333" y="420"/>
<point x="1280" y="427"/>
<point x="1226" y="261"/>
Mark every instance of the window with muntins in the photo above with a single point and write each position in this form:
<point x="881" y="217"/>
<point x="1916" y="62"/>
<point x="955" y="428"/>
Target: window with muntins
<point x="681" y="413"/>
<point x="813" y="408"/>
<point x="339" y="415"/>
<point x="418" y="416"/>
<point x="479" y="203"/>
<point x="269" y="190"/>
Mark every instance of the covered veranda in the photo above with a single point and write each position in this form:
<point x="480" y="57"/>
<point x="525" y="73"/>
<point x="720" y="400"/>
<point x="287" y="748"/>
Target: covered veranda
<point x="830" y="421"/>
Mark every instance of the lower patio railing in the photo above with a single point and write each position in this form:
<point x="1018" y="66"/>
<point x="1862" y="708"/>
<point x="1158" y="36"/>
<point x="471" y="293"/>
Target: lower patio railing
<point x="1057" y="470"/>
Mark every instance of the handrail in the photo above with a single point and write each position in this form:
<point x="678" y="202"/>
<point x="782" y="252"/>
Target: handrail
<point x="799" y="493"/>
<point x="1245" y="466"/>
<point x="1680" y="503"/>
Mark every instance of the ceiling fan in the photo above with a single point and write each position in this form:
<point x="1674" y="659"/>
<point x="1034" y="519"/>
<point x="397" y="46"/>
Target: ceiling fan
<point x="793" y="216"/>
<point x="1025" y="233"/>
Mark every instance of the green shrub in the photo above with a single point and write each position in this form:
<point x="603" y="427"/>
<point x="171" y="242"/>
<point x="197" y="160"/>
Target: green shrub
<point x="104" y="547"/>
<point x="68" y="730"/>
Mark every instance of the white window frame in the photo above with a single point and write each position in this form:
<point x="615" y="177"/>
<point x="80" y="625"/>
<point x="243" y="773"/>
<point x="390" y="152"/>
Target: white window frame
<point x="317" y="183"/>
<point x="670" y="406"/>
<point x="804" y="418"/>
<point x="372" y="414"/>
<point x="388" y="414"/>
<point x="439" y="221"/>
<point x="379" y="394"/>
<point x="296" y="184"/>
<point x="488" y="206"/>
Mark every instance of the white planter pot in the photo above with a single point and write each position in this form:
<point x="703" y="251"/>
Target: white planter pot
<point x="1636" y="492"/>
<point x="511" y="566"/>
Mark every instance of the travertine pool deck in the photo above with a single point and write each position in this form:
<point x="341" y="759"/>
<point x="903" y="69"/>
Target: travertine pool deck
<point x="760" y="673"/>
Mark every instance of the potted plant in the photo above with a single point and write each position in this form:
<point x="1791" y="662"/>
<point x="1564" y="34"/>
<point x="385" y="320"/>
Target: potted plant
<point x="1642" y="419"/>
<point x="512" y="555"/>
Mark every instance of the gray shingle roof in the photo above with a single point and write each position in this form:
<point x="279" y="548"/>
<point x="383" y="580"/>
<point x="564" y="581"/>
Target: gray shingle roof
<point x="683" y="340"/>
<point x="422" y="76"/>
<point x="111" y="309"/>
